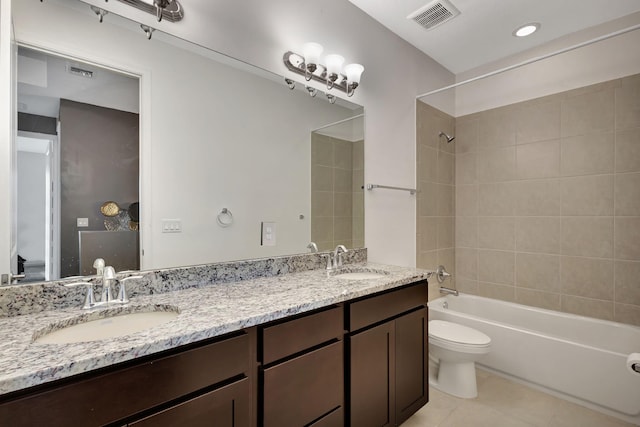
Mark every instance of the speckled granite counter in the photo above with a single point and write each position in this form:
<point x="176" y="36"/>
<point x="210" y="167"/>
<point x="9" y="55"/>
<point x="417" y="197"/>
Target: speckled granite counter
<point x="205" y="311"/>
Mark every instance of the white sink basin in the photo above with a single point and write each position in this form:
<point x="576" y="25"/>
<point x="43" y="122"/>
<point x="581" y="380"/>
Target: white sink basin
<point x="116" y="325"/>
<point x="360" y="275"/>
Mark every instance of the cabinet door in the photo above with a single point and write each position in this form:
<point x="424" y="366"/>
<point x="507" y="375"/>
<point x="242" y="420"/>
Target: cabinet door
<point x="372" y="372"/>
<point x="304" y="389"/>
<point x="412" y="368"/>
<point x="228" y="406"/>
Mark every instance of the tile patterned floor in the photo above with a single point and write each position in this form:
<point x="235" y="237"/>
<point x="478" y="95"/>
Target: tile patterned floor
<point x="504" y="403"/>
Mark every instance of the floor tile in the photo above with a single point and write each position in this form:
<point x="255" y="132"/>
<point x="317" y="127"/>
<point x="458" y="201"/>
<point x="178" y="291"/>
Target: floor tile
<point x="505" y="403"/>
<point x="476" y="415"/>
<point x="517" y="400"/>
<point x="570" y="415"/>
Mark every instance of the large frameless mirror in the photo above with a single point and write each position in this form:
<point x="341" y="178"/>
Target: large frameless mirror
<point x="207" y="151"/>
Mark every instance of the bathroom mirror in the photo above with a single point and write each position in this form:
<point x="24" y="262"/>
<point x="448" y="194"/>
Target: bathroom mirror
<point x="225" y="148"/>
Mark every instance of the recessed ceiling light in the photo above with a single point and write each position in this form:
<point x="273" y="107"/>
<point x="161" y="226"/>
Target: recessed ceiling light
<point x="526" y="30"/>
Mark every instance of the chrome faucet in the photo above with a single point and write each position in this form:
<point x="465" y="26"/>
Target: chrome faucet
<point x="337" y="256"/>
<point x="313" y="247"/>
<point x="108" y="277"/>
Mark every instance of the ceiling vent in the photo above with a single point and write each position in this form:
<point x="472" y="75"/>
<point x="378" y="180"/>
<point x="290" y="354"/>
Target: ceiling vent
<point x="76" y="71"/>
<point x="435" y="13"/>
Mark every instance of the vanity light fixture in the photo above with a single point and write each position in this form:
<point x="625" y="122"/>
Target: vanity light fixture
<point x="527" y="29"/>
<point x="334" y="75"/>
<point x="171" y="10"/>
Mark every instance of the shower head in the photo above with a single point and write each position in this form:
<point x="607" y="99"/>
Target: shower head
<point x="449" y="138"/>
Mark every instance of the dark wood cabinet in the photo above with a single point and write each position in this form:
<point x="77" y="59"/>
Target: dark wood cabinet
<point x="303" y="371"/>
<point x="371" y="369"/>
<point x="227" y="406"/>
<point x="136" y="390"/>
<point x="388" y="358"/>
<point x="306" y="389"/>
<point x="411" y="363"/>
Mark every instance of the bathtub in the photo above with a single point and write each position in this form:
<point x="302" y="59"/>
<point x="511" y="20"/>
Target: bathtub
<point x="578" y="358"/>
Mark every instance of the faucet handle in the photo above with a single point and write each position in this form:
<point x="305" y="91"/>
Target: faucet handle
<point x="441" y="274"/>
<point x="122" y="291"/>
<point x="89" y="300"/>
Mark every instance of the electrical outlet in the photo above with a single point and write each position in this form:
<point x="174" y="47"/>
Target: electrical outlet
<point x="268" y="234"/>
<point x="172" y="226"/>
<point x="82" y="222"/>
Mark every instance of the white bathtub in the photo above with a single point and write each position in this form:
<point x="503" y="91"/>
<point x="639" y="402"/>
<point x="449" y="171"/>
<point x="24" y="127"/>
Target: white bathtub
<point x="575" y="357"/>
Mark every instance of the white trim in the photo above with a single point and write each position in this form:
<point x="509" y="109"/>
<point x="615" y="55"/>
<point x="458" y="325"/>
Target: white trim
<point x="7" y="110"/>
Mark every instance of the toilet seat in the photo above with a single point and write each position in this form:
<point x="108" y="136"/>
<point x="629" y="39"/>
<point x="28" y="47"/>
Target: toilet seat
<point x="454" y="336"/>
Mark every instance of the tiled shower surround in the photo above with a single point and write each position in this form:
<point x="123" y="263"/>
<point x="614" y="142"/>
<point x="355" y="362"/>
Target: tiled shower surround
<point x="337" y="196"/>
<point x="436" y="193"/>
<point x="547" y="201"/>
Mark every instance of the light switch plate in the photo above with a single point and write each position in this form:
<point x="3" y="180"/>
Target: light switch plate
<point x="268" y="235"/>
<point x="82" y="222"/>
<point x="172" y="226"/>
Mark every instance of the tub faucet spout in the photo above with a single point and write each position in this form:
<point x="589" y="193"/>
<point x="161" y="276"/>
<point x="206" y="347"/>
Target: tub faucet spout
<point x="449" y="291"/>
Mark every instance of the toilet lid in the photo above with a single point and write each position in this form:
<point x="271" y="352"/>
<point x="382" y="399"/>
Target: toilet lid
<point x="448" y="331"/>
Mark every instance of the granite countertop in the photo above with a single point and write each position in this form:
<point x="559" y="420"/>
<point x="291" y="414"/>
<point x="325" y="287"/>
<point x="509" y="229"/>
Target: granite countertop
<point x="205" y="312"/>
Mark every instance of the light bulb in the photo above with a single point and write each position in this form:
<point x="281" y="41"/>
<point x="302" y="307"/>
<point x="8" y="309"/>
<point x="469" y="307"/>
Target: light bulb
<point x="334" y="64"/>
<point x="353" y="72"/>
<point x="311" y="52"/>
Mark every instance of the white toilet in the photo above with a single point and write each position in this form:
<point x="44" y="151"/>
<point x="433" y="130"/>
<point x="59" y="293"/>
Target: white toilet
<point x="455" y="348"/>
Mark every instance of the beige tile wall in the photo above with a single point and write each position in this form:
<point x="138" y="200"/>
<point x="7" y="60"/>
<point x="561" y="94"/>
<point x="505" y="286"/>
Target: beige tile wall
<point x="547" y="201"/>
<point x="436" y="192"/>
<point x="337" y="198"/>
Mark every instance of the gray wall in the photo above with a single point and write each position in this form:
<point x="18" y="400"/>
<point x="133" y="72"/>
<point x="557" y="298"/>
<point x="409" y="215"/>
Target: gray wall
<point x="99" y="161"/>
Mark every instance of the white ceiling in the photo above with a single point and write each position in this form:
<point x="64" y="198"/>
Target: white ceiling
<point x="43" y="79"/>
<point x="482" y="33"/>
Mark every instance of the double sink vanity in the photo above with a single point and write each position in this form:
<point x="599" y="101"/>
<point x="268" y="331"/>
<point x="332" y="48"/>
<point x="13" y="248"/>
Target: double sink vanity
<point x="273" y="342"/>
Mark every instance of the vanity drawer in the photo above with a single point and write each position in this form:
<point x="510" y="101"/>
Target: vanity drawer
<point x="378" y="308"/>
<point x="121" y="392"/>
<point x="292" y="336"/>
<point x="228" y="406"/>
<point x="305" y="389"/>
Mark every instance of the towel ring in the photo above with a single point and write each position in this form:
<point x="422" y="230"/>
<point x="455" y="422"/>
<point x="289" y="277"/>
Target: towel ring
<point x="224" y="218"/>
